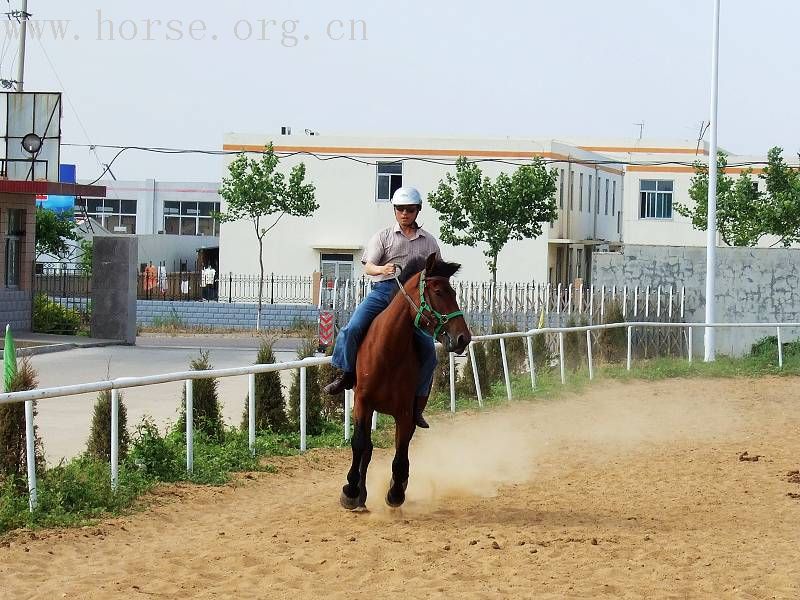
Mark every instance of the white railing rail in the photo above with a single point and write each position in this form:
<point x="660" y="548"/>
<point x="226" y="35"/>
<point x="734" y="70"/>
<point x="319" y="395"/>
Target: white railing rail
<point x="251" y="371"/>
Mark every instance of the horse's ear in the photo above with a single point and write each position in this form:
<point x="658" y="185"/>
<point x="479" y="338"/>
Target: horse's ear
<point x="430" y="263"/>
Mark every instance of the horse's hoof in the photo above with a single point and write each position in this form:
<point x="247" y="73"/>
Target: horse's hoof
<point x="395" y="501"/>
<point x="347" y="502"/>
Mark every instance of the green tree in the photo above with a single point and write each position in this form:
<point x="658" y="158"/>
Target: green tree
<point x="315" y="423"/>
<point x="269" y="401"/>
<point x="205" y="401"/>
<point x="745" y="214"/>
<point x="99" y="444"/>
<point x="783" y="187"/>
<point x="474" y="209"/>
<point x="256" y="191"/>
<point x="741" y="207"/>
<point x="86" y="256"/>
<point x="13" y="459"/>
<point x="52" y="232"/>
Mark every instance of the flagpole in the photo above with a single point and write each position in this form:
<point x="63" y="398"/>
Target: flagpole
<point x="711" y="239"/>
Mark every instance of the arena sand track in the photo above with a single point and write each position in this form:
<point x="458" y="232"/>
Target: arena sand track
<point x="629" y="490"/>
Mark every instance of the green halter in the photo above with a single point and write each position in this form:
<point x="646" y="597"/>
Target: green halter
<point x="441" y="319"/>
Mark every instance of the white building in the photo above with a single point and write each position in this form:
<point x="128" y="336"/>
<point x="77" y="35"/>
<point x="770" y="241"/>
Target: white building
<point x="173" y="220"/>
<point x="354" y="179"/>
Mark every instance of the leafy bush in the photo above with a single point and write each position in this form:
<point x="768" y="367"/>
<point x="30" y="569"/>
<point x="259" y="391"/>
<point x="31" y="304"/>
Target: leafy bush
<point x="50" y="317"/>
<point x="13" y="459"/>
<point x="465" y="386"/>
<point x="332" y="406"/>
<point x="612" y="344"/>
<point x="99" y="444"/>
<point x="205" y="400"/>
<point x="314" y="421"/>
<point x="575" y="344"/>
<point x="768" y="347"/>
<point x="156" y="456"/>
<point x="516" y="354"/>
<point x="270" y="404"/>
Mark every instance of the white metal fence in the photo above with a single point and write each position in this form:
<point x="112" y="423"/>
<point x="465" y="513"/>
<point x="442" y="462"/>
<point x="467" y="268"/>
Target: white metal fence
<point x="522" y="303"/>
<point x="251" y="370"/>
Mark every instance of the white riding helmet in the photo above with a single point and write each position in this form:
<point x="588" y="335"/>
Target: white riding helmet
<point x="406" y="195"/>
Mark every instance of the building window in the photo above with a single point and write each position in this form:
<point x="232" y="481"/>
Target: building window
<point x="606" y="197"/>
<point x="191" y="218"/>
<point x="580" y="195"/>
<point x="14" y="241"/>
<point x="390" y="177"/>
<point x="655" y="199"/>
<point x="613" y="197"/>
<point x="118" y="216"/>
<point x="572" y="191"/>
<point x="589" y="197"/>
<point x="561" y="190"/>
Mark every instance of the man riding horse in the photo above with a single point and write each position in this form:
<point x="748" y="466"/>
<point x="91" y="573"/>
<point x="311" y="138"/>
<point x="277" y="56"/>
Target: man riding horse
<point x="408" y="245"/>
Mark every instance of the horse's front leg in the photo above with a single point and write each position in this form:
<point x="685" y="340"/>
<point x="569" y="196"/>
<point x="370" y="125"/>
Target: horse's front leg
<point x="354" y="493"/>
<point x="404" y="430"/>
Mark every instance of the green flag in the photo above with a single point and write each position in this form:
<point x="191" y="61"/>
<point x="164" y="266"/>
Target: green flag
<point x="9" y="360"/>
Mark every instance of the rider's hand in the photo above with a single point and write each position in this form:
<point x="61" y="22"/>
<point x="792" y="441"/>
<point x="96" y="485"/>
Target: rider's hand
<point x="388" y="269"/>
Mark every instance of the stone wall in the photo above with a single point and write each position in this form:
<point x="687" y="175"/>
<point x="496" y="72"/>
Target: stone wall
<point x="15" y="310"/>
<point x="752" y="285"/>
<point x="221" y="315"/>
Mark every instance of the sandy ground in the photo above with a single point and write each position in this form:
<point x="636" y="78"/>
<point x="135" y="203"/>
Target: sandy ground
<point x="627" y="491"/>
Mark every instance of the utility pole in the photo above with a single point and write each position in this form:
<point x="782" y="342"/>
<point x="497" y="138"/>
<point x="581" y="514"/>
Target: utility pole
<point x="23" y="34"/>
<point x="711" y="240"/>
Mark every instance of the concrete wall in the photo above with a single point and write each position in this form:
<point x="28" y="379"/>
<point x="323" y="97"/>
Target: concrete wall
<point x="225" y="316"/>
<point x="752" y="285"/>
<point x="15" y="310"/>
<point x="114" y="288"/>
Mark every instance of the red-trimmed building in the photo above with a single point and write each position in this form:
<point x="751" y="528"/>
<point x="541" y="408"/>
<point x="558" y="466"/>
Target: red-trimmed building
<point x="24" y="175"/>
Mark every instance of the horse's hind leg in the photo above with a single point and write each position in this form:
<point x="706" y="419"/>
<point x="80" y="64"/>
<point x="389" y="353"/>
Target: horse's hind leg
<point x="354" y="493"/>
<point x="400" y="465"/>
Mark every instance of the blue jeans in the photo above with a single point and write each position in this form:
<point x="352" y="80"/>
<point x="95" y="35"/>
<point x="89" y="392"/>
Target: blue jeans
<point x="351" y="335"/>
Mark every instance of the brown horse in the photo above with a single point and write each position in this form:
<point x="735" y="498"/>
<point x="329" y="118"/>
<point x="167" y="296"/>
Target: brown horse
<point x="387" y="368"/>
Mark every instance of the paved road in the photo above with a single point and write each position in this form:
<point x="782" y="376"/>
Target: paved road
<point x="64" y="423"/>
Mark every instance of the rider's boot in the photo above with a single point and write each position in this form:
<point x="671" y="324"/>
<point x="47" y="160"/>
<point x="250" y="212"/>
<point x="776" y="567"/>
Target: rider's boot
<point x="420" y="402"/>
<point x="344" y="381"/>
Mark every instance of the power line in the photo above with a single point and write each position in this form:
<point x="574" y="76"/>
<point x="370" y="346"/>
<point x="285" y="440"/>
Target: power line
<point x="442" y="162"/>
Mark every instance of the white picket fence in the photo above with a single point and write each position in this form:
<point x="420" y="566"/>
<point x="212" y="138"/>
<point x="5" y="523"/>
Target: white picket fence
<point x="252" y="370"/>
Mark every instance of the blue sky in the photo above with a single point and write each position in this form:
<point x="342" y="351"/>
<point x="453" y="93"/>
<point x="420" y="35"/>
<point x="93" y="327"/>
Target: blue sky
<point x="469" y="68"/>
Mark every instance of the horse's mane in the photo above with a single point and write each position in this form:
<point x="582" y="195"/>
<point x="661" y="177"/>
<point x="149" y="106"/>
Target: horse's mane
<point x="444" y="269"/>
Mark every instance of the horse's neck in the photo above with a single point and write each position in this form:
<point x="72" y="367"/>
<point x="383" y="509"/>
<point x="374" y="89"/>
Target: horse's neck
<point x="397" y="319"/>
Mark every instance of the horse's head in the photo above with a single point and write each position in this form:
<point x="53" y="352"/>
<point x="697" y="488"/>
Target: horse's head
<point x="437" y="310"/>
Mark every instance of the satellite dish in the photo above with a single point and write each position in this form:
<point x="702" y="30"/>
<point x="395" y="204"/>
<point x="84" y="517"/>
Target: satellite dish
<point x="32" y="143"/>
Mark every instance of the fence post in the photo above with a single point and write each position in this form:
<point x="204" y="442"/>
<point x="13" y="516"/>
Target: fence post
<point x="374" y="420"/>
<point x="558" y="300"/>
<point x="780" y="348"/>
<point x="302" y="409"/>
<point x="630" y="335"/>
<point x="505" y="367"/>
<point x="589" y="352"/>
<point x="561" y="356"/>
<point x="348" y="395"/>
<point x="689" y="343"/>
<point x="251" y="412"/>
<point x="272" y="288"/>
<point x="531" y="363"/>
<point x="189" y="426"/>
<point x="624" y="300"/>
<point x="30" y="455"/>
<point x="452" y="381"/>
<point x="475" y="373"/>
<point x="114" y="439"/>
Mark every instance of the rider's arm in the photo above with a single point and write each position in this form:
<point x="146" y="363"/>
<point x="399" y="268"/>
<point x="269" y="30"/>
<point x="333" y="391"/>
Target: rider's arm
<point x="373" y="269"/>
